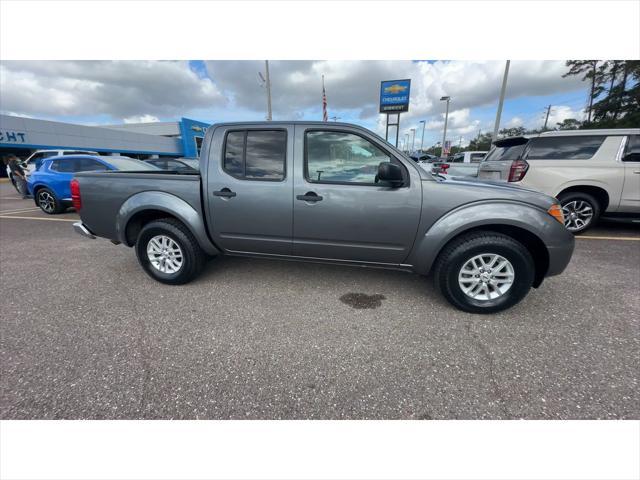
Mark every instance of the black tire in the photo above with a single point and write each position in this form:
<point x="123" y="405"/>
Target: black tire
<point x="574" y="198"/>
<point x="462" y="249"/>
<point x="48" y="202"/>
<point x="193" y="258"/>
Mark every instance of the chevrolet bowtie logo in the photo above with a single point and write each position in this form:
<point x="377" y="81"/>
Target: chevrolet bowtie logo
<point x="395" y="88"/>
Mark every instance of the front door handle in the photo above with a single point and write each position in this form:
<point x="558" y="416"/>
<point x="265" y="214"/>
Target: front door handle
<point x="310" y="197"/>
<point x="225" y="192"/>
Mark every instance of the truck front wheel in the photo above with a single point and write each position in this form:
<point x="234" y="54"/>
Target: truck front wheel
<point x="484" y="272"/>
<point x="169" y="252"/>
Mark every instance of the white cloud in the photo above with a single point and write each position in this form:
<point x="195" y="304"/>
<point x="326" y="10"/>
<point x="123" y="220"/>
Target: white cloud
<point x="146" y="118"/>
<point x="119" y="89"/>
<point x="136" y="90"/>
<point x="514" y="122"/>
<point x="562" y="112"/>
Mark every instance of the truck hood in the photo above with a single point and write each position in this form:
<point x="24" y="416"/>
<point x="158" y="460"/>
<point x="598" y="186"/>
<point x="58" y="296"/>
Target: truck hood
<point x="494" y="190"/>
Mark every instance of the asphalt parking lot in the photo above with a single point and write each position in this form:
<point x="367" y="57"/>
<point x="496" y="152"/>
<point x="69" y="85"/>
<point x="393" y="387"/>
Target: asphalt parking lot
<point x="85" y="334"/>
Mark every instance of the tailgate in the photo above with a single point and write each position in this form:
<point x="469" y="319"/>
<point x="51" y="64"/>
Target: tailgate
<point x="496" y="170"/>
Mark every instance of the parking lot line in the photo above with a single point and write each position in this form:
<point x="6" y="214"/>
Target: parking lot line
<point x="20" y="210"/>
<point x="626" y="239"/>
<point x="38" y="218"/>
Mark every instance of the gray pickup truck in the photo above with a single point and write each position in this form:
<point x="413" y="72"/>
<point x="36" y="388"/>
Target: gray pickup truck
<point x="329" y="192"/>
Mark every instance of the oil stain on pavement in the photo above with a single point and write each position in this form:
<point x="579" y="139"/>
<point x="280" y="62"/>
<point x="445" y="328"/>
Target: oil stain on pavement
<point x="362" y="300"/>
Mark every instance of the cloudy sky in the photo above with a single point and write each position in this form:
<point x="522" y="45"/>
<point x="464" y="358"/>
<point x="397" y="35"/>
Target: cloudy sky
<point x="212" y="91"/>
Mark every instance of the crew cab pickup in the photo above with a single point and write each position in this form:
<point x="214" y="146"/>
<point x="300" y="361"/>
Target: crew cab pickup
<point x="334" y="193"/>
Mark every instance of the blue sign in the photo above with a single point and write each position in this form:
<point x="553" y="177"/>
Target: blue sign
<point x="192" y="133"/>
<point x="394" y="96"/>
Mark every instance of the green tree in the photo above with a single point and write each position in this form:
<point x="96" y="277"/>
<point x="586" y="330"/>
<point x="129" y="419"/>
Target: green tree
<point x="512" y="132"/>
<point x="614" y="94"/>
<point x="569" y="124"/>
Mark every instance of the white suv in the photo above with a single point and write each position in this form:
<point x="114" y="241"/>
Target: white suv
<point x="591" y="172"/>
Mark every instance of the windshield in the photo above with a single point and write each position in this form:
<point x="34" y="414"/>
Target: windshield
<point x="124" y="163"/>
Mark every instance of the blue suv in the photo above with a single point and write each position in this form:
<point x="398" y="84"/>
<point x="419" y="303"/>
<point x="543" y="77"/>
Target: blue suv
<point x="50" y="183"/>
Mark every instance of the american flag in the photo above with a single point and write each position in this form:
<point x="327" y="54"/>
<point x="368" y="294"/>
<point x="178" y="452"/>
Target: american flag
<point x="325" y="115"/>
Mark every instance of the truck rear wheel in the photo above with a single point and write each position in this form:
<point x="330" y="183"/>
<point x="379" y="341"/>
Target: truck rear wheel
<point x="484" y="272"/>
<point x="169" y="252"/>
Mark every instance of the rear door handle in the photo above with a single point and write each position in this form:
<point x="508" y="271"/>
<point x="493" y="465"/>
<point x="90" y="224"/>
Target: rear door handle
<point x="225" y="192"/>
<point x="310" y="197"/>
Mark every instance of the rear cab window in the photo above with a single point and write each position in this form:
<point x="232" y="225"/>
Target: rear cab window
<point x="256" y="154"/>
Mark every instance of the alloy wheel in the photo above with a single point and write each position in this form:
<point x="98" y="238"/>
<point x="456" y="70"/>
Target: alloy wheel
<point x="578" y="214"/>
<point x="164" y="254"/>
<point x="486" y="276"/>
<point x="46" y="201"/>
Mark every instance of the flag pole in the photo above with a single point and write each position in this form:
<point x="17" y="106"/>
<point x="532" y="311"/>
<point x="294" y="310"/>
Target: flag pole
<point x="325" y="115"/>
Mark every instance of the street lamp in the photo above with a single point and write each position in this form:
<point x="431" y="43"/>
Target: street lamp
<point x="413" y="141"/>
<point x="406" y="142"/>
<point x="446" y="118"/>
<point x="422" y="140"/>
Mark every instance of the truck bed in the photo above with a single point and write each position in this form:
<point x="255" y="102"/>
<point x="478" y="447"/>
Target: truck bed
<point x="104" y="194"/>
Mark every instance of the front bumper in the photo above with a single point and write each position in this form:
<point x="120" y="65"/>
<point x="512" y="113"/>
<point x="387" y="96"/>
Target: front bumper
<point x="80" y="228"/>
<point x="560" y="255"/>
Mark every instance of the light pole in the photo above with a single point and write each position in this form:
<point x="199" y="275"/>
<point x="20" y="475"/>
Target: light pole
<point x="268" y="82"/>
<point x="446" y="119"/>
<point x="413" y="141"/>
<point x="422" y="140"/>
<point x="501" y="102"/>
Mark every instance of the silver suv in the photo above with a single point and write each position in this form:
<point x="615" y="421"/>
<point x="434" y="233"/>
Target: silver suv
<point x="591" y="172"/>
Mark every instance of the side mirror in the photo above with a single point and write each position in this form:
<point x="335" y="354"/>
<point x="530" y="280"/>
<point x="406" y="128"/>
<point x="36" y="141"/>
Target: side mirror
<point x="391" y="173"/>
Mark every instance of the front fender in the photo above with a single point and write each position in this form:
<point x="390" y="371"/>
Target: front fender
<point x="173" y="206"/>
<point x="486" y="213"/>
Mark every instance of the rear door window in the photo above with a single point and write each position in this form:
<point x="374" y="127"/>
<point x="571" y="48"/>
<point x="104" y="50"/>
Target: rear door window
<point x="477" y="157"/>
<point x="67" y="165"/>
<point x="564" y="148"/>
<point x="88" y="165"/>
<point x="256" y="154"/>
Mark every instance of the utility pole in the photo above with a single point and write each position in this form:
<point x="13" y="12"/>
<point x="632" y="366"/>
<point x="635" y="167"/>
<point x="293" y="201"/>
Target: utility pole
<point x="446" y="119"/>
<point x="423" y="122"/>
<point x="406" y="142"/>
<point x="501" y="102"/>
<point x="413" y="141"/>
<point x="460" y="143"/>
<point x="268" y="82"/>
<point x="546" y="118"/>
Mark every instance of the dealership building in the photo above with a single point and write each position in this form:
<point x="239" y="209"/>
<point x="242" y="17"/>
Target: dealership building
<point x="21" y="136"/>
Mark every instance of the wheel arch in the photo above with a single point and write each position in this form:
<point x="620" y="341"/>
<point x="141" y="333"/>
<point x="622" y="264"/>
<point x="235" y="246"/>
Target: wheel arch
<point x="531" y="242"/>
<point x="525" y="223"/>
<point x="599" y="193"/>
<point x="141" y="208"/>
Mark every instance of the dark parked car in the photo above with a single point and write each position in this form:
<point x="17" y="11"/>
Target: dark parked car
<point x="176" y="164"/>
<point x="332" y="193"/>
